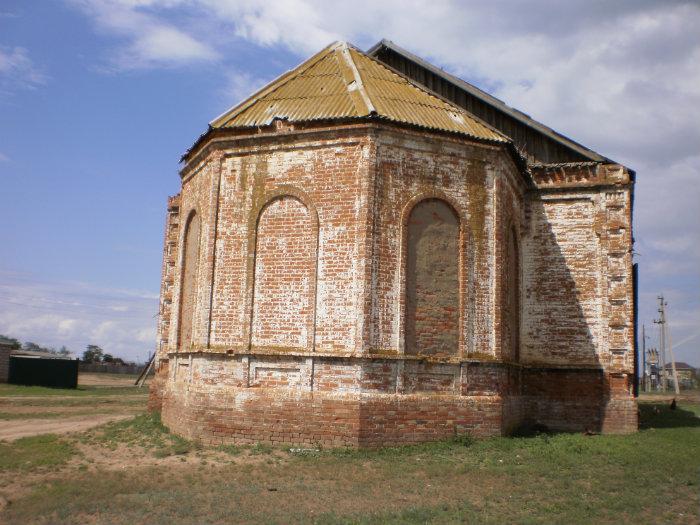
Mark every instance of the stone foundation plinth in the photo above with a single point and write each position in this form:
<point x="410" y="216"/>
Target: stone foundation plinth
<point x="329" y="420"/>
<point x="364" y="402"/>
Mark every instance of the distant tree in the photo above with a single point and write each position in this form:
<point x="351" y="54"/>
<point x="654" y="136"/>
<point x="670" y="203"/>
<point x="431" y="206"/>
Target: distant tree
<point x="64" y="351"/>
<point x="108" y="358"/>
<point x="33" y="347"/>
<point x="13" y="342"/>
<point x="93" y="354"/>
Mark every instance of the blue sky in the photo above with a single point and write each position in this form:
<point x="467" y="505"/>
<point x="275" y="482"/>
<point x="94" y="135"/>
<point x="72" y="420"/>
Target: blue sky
<point x="99" y="98"/>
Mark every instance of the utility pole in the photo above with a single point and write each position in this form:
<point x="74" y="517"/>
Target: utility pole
<point x="661" y="321"/>
<point x="644" y="360"/>
<point x="676" y="386"/>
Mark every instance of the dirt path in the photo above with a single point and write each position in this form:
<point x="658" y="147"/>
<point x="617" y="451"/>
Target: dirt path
<point x="15" y="429"/>
<point x="26" y="411"/>
<point x="92" y="379"/>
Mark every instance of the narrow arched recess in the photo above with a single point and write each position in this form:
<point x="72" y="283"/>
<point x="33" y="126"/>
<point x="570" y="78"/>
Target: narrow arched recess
<point x="188" y="283"/>
<point x="432" y="313"/>
<point x="284" y="275"/>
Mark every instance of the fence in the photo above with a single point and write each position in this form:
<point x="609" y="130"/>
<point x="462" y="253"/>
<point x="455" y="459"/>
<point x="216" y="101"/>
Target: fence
<point x="109" y="368"/>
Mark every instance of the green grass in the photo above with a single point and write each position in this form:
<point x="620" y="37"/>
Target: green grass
<point x="144" y="430"/>
<point x="231" y="450"/>
<point x="29" y="453"/>
<point x="109" y="403"/>
<point x="8" y="390"/>
<point x="14" y="416"/>
<point x="9" y="416"/>
<point x="652" y="476"/>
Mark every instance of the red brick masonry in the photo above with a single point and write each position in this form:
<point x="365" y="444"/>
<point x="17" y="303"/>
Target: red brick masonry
<point x="299" y="329"/>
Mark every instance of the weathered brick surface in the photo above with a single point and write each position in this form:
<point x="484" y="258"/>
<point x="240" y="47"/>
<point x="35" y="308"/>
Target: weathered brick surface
<point x="158" y="384"/>
<point x="285" y="275"/>
<point x="188" y="282"/>
<point x="327" y="419"/>
<point x="367" y="284"/>
<point x="432" y="279"/>
<point x="170" y="250"/>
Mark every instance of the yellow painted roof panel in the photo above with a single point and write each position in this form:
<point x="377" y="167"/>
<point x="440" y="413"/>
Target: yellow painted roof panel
<point x="341" y="82"/>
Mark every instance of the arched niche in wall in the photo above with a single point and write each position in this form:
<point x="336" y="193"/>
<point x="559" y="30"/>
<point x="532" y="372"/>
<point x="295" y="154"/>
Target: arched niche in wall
<point x="432" y="302"/>
<point x="511" y="296"/>
<point x="284" y="286"/>
<point x="188" y="283"/>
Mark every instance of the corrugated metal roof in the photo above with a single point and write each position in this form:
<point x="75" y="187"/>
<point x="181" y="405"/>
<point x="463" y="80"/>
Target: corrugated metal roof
<point x="490" y="100"/>
<point x="342" y="82"/>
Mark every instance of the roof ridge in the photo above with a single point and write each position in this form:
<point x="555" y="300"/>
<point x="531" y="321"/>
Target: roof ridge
<point x="357" y="83"/>
<point x="342" y="82"/>
<point x="458" y="109"/>
<point x="273" y="85"/>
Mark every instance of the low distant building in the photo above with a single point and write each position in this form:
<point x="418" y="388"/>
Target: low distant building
<point x="686" y="375"/>
<point x="37" y="368"/>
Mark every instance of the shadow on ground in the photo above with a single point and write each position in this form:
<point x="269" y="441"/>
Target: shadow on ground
<point x="660" y="415"/>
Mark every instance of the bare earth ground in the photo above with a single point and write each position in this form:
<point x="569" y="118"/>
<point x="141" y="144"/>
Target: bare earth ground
<point x="18" y="411"/>
<point x="133" y="471"/>
<point x="20" y="428"/>
<point x="89" y="379"/>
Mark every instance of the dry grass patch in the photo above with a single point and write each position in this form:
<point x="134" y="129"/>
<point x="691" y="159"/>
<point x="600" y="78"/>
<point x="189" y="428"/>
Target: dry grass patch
<point x="136" y="471"/>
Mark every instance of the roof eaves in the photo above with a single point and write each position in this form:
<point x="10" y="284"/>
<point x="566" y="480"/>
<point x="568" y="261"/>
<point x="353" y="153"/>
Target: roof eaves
<point x="491" y="100"/>
<point x="519" y="159"/>
<point x="550" y="165"/>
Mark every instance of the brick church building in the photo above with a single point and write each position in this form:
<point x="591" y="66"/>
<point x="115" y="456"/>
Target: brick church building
<point x="370" y="251"/>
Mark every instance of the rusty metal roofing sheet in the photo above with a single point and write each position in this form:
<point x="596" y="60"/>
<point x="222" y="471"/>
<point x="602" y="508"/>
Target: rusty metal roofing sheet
<point x="342" y="82"/>
<point x="489" y="100"/>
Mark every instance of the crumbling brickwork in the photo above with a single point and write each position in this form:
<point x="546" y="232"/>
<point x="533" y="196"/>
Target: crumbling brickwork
<point x="369" y="284"/>
<point x="578" y="319"/>
<point x="432" y="279"/>
<point x="285" y="276"/>
<point x="188" y="282"/>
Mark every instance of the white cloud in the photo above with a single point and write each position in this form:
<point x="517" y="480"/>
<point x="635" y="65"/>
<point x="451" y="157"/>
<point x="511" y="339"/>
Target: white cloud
<point x="240" y="86"/>
<point x="300" y="25"/>
<point x="120" y="308"/>
<point x="3" y="157"/>
<point x="17" y="70"/>
<point x="668" y="217"/>
<point x="146" y="40"/>
<point x="67" y="327"/>
<point x="620" y="77"/>
<point x="76" y="314"/>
